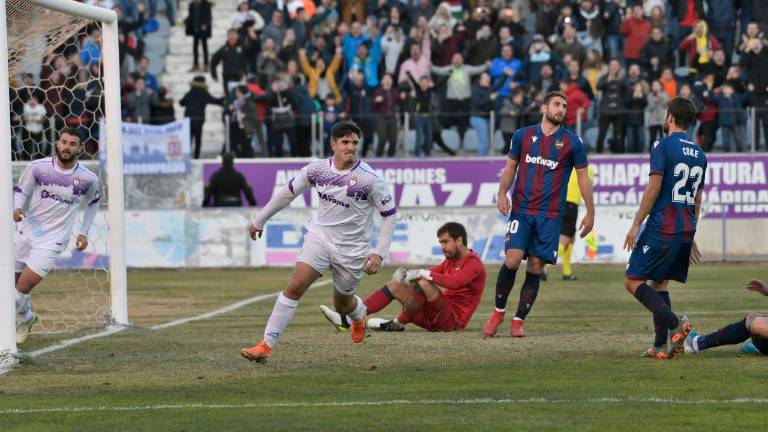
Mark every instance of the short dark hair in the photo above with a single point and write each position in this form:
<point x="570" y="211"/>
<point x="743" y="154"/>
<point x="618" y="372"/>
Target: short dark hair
<point x="344" y="128"/>
<point x="454" y="230"/>
<point x="71" y="131"/>
<point x="682" y="110"/>
<point x="552" y="94"/>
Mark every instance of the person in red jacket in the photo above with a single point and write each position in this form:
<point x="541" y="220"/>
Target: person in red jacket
<point x="636" y="29"/>
<point x="440" y="299"/>
<point x="576" y="99"/>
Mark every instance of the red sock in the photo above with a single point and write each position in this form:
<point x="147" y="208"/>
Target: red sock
<point x="378" y="300"/>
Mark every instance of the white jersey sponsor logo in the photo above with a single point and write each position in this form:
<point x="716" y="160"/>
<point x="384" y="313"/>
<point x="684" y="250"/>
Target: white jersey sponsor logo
<point x="539" y="160"/>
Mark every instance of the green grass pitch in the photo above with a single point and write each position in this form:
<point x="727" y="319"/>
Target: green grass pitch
<point x="578" y="369"/>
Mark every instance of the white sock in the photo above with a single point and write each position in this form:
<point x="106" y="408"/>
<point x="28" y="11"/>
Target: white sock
<point x="282" y="314"/>
<point x="22" y="305"/>
<point x="359" y="312"/>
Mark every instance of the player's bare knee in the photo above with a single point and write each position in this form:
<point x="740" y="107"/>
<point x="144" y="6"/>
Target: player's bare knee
<point x="534" y="266"/>
<point x="411" y="305"/>
<point x="757" y="324"/>
<point x="512" y="262"/>
<point x="630" y="285"/>
<point x="294" y="290"/>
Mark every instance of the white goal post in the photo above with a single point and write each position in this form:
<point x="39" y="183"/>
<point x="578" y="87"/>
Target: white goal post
<point x="114" y="164"/>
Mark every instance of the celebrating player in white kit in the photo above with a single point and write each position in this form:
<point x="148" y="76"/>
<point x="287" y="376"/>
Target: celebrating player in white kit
<point x="55" y="188"/>
<point x="338" y="237"/>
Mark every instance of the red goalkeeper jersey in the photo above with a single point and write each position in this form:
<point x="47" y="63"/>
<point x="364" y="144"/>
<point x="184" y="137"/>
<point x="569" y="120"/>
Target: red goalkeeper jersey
<point x="463" y="281"/>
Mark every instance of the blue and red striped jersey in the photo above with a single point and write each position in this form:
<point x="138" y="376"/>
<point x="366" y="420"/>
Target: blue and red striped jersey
<point x="683" y="166"/>
<point x="545" y="163"/>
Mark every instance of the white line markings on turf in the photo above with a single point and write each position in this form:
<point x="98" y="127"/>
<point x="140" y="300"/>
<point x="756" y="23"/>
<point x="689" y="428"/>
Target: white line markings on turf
<point x="229" y="308"/>
<point x="116" y="329"/>
<point x="395" y="402"/>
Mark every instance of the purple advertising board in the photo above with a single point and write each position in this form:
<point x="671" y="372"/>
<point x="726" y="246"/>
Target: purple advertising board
<point x="735" y="186"/>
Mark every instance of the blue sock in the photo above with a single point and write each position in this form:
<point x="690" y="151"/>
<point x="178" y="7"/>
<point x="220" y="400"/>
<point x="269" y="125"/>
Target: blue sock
<point x="661" y="331"/>
<point x="655" y="304"/>
<point x="528" y="294"/>
<point x="731" y="334"/>
<point x="504" y="284"/>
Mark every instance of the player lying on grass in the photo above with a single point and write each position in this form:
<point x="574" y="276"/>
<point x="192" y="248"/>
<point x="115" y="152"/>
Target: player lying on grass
<point x="663" y="250"/>
<point x="754" y="326"/>
<point x="54" y="189"/>
<point x="541" y="158"/>
<point x="338" y="238"/>
<point x="462" y="279"/>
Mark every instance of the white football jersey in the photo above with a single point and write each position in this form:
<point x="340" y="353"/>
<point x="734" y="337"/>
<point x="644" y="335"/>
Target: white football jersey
<point x="54" y="197"/>
<point x="348" y="200"/>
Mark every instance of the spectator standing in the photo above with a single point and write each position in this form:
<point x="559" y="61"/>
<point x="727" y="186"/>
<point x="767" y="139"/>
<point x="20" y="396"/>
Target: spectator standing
<point x="321" y="81"/>
<point x="656" y="54"/>
<point x="140" y="102"/>
<point x="731" y="117"/>
<point x="613" y="86"/>
<point x="143" y="71"/>
<point x="503" y="70"/>
<point x="268" y="63"/>
<point x="704" y="92"/>
<point x="577" y="100"/>
<point x="282" y="123"/>
<point x="458" y="92"/>
<point x="510" y="117"/>
<point x="233" y="57"/>
<point x="539" y="54"/>
<point x="419" y="61"/>
<point x="392" y="46"/>
<point x="198" y="25"/>
<point x="422" y="114"/>
<point x="276" y="28"/>
<point x="194" y="103"/>
<point x="612" y="19"/>
<point x="721" y="18"/>
<point x="636" y="30"/>
<point x="481" y="49"/>
<point x="754" y="61"/>
<point x="481" y="105"/>
<point x="385" y="109"/>
<point x="162" y="109"/>
<point x="635" y="118"/>
<point x="304" y="107"/>
<point x="657" y="111"/>
<point x="34" y="118"/>
<point x="227" y="186"/>
<point x="332" y="114"/>
<point x="594" y="68"/>
<point x="569" y="44"/>
<point x="669" y="82"/>
<point x="359" y="107"/>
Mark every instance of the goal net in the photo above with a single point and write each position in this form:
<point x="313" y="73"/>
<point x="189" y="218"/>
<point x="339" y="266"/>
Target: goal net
<point x="61" y="73"/>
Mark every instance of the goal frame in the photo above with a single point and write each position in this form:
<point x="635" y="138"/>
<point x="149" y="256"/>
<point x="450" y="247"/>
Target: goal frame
<point x="115" y="185"/>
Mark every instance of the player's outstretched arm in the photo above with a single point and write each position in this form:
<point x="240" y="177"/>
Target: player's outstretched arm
<point x="585" y="186"/>
<point x="507" y="178"/>
<point x="279" y="201"/>
<point x="758" y="286"/>
<point x="646" y="204"/>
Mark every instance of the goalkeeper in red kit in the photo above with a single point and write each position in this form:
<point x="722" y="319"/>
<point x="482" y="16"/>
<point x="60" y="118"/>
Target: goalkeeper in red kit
<point x="442" y="298"/>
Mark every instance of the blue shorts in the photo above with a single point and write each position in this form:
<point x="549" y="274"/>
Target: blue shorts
<point x="659" y="260"/>
<point x="538" y="236"/>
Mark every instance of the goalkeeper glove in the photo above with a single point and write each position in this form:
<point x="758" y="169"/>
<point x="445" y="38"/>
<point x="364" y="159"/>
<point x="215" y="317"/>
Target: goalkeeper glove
<point x="412" y="275"/>
<point x="399" y="275"/>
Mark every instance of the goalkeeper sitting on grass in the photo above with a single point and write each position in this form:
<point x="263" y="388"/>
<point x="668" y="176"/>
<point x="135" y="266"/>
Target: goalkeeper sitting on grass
<point x="442" y="298"/>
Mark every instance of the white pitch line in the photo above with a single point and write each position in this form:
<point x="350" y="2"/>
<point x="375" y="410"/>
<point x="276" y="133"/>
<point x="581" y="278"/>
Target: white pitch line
<point x="337" y="404"/>
<point x="69" y="342"/>
<point x="229" y="308"/>
<point x="116" y="329"/>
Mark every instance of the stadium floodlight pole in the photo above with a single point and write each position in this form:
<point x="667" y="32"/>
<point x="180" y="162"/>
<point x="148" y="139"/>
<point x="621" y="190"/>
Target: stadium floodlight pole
<point x="113" y="133"/>
<point x="7" y="282"/>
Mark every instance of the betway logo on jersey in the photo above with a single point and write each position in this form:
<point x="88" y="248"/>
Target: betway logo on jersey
<point x="45" y="194"/>
<point x="549" y="163"/>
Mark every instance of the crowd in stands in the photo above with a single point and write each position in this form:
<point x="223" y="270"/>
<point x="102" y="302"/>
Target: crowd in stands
<point x="461" y="64"/>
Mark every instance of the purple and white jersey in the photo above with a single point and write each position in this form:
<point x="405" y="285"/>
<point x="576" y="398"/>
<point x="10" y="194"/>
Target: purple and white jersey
<point x="54" y="197"/>
<point x="348" y="200"/>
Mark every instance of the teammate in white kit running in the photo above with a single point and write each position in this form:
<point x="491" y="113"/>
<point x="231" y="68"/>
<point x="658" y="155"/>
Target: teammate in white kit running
<point x="55" y="188"/>
<point x="338" y="237"/>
